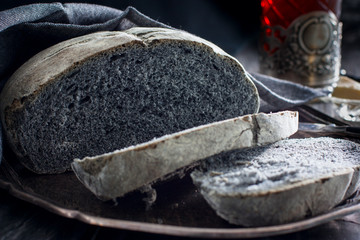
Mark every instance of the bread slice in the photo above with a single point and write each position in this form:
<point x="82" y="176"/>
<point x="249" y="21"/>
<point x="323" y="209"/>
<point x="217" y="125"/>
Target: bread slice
<point x="280" y="183"/>
<point x="113" y="175"/>
<point x="109" y="90"/>
<point x="347" y="88"/>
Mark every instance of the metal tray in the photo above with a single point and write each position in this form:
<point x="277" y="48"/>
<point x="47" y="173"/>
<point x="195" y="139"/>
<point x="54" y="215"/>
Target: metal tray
<point x="179" y="210"/>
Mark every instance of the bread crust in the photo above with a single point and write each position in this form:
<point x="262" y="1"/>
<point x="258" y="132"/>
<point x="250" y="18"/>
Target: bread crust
<point x="113" y="175"/>
<point x="59" y="59"/>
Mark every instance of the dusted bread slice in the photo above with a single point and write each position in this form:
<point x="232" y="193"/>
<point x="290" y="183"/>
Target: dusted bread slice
<point x="280" y="183"/>
<point x="109" y="90"/>
<point x="113" y="175"/>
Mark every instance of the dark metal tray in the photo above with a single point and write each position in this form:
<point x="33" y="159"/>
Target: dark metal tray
<point x="179" y="210"/>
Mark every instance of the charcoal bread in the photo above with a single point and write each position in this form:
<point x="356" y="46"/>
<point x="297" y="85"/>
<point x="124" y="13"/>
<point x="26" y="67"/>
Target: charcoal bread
<point x="114" y="174"/>
<point x="280" y="183"/>
<point x="109" y="90"/>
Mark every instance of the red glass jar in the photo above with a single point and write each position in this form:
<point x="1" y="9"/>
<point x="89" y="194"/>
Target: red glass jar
<point x="300" y="41"/>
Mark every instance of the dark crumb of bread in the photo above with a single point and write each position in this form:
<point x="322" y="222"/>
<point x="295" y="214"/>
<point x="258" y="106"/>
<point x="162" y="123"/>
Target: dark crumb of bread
<point x="129" y="96"/>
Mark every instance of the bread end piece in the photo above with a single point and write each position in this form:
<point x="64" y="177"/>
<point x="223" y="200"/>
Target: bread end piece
<point x="280" y="183"/>
<point x="274" y="208"/>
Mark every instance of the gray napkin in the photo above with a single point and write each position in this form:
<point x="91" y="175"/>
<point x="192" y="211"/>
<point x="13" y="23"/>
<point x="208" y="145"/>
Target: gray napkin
<point x="276" y="94"/>
<point x="26" y="30"/>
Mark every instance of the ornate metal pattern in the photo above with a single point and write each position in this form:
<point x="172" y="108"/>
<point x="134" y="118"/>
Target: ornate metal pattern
<point x="307" y="52"/>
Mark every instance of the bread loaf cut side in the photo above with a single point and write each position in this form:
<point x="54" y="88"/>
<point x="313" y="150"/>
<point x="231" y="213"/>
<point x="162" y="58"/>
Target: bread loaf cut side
<point x="109" y="90"/>
<point x="113" y="175"/>
<point x="280" y="183"/>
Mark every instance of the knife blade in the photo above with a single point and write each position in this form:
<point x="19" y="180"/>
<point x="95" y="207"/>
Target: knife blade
<point x="329" y="128"/>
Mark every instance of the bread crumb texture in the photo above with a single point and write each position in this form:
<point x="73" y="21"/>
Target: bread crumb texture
<point x="106" y="91"/>
<point x="280" y="182"/>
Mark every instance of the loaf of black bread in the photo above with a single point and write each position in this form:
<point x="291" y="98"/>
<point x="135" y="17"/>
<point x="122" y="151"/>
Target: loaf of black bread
<point x="283" y="182"/>
<point x="109" y="90"/>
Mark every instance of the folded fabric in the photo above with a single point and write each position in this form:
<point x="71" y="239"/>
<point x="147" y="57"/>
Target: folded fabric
<point x="26" y="30"/>
<point x="277" y="94"/>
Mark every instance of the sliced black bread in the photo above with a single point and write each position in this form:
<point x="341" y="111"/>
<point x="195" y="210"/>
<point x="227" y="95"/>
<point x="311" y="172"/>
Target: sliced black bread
<point x="113" y="175"/>
<point x="280" y="183"/>
<point x="109" y="90"/>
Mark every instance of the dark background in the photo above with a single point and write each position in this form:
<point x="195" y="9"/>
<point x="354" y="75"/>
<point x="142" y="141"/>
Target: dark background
<point x="224" y="22"/>
<point x="232" y="25"/>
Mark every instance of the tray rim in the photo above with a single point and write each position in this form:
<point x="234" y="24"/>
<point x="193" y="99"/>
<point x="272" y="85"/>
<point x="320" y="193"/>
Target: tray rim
<point x="179" y="231"/>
